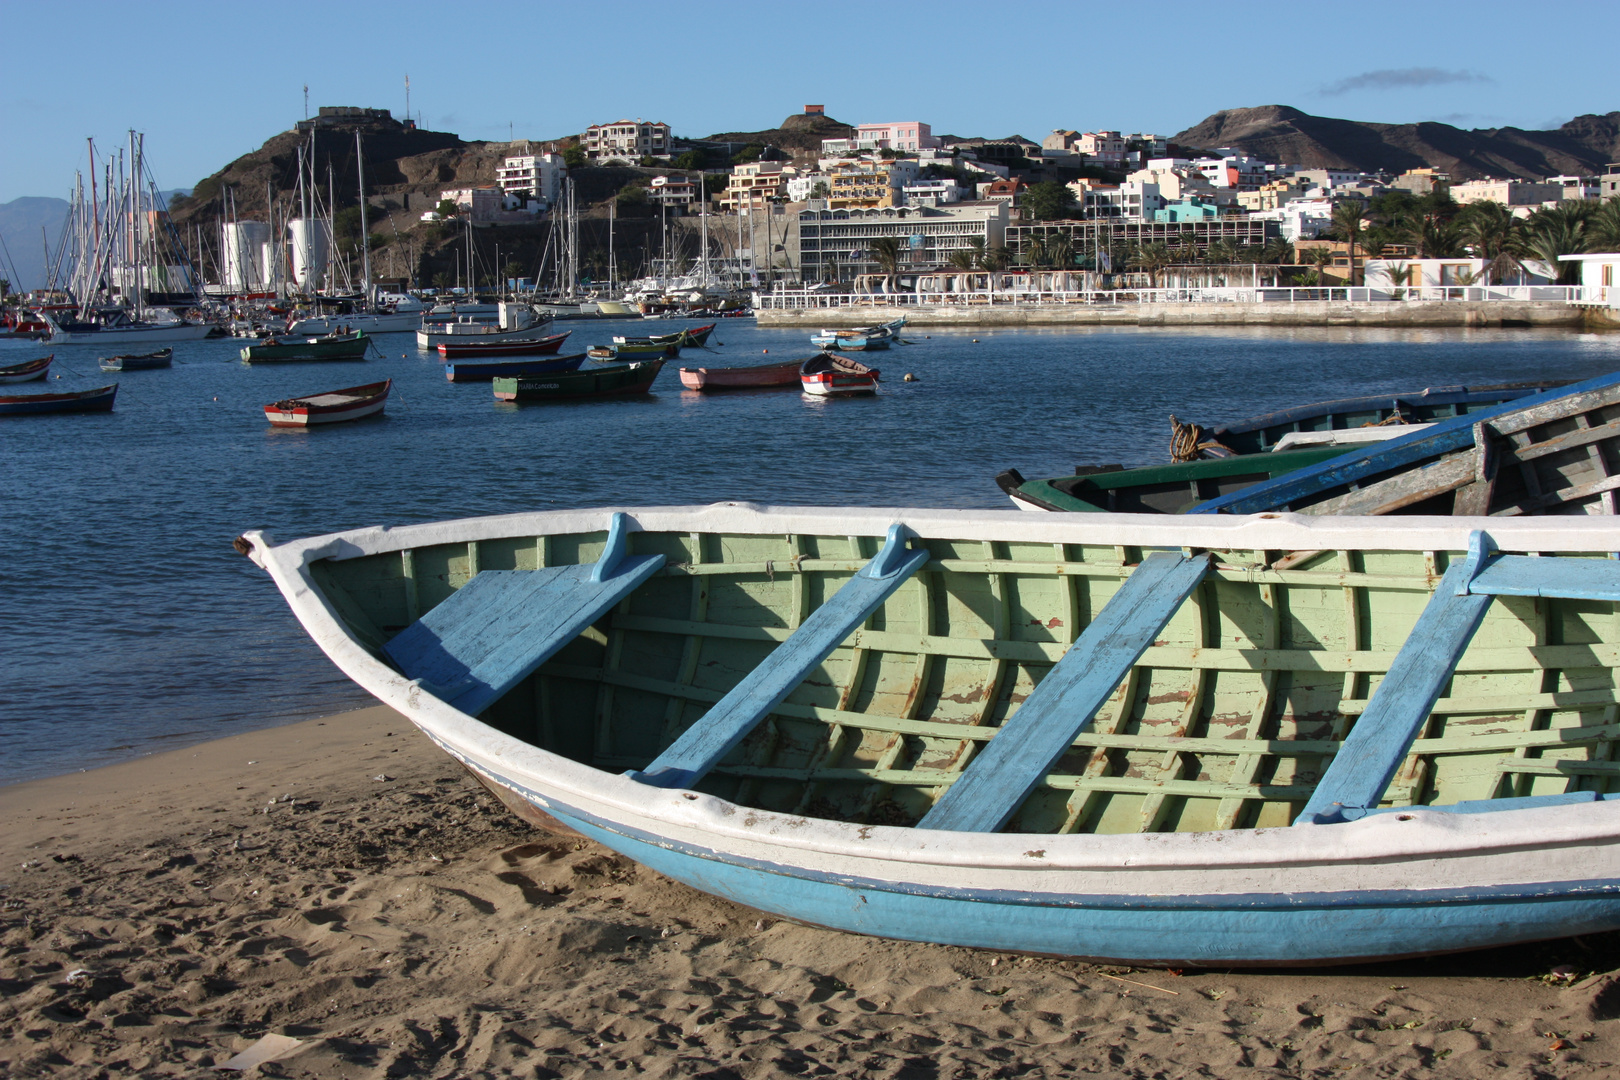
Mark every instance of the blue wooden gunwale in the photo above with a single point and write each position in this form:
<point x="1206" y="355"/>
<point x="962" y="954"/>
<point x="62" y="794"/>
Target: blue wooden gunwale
<point x="1407" y="450"/>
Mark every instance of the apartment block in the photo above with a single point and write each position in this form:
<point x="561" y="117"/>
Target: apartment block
<point x="836" y="245"/>
<point x="630" y="140"/>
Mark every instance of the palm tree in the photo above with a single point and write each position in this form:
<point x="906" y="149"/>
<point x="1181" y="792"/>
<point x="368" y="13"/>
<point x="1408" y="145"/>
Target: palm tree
<point x="1319" y="257"/>
<point x="1603" y="227"/>
<point x="885" y="251"/>
<point x="1152" y="258"/>
<point x="962" y="259"/>
<point x="1492" y="232"/>
<point x="1277" y="251"/>
<point x="1221" y="252"/>
<point x="1348" y="218"/>
<point x="976" y="247"/>
<point x="997" y="258"/>
<point x="1060" y="250"/>
<point x="1035" y="251"/>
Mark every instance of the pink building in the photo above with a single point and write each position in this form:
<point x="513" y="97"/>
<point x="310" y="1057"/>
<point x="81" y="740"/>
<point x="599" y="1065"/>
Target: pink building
<point x="910" y="135"/>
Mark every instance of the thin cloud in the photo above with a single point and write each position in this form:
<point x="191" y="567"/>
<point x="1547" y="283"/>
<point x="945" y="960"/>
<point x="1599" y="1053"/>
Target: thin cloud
<point x="1400" y="79"/>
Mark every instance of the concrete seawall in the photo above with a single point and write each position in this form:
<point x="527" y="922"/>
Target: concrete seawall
<point x="1481" y="313"/>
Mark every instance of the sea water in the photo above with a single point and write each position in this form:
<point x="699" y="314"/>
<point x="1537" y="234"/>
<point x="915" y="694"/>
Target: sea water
<point x="130" y="625"/>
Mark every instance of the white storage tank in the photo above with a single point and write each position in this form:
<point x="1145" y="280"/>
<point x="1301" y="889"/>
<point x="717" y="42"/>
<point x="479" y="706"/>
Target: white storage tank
<point x="243" y="263"/>
<point x="309" y="246"/>
<point x="272" y="263"/>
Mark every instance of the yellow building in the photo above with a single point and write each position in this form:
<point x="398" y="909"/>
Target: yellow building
<point x="869" y="185"/>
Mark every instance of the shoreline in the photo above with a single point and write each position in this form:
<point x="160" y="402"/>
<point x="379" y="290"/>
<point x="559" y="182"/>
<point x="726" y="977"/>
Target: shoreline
<point x="341" y="882"/>
<point x="1451" y="313"/>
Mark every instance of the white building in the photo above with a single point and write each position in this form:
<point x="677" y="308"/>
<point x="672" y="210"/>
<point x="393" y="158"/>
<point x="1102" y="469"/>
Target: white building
<point x="1506" y="192"/>
<point x="836" y="245"/>
<point x="672" y="191"/>
<point x="931" y="193"/>
<point x="627" y="140"/>
<point x="485" y="206"/>
<point x="1600" y="274"/>
<point x="539" y="176"/>
<point x="1392" y="274"/>
<point x="1302" y="219"/>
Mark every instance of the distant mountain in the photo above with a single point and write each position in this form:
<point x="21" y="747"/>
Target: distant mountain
<point x="1283" y="134"/>
<point x="24" y="250"/>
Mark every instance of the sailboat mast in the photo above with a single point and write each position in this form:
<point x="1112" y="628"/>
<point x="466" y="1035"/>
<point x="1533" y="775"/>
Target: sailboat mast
<point x="613" y="269"/>
<point x="365" y="234"/>
<point x="135" y="146"/>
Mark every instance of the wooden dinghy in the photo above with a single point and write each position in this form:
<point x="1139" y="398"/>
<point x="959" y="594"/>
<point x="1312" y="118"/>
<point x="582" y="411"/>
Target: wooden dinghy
<point x="831" y="375"/>
<point x="632" y="378"/>
<point x="97" y="400"/>
<point x="29" y="370"/>
<point x="1555" y="453"/>
<point x="754" y="376"/>
<point x="485" y="370"/>
<point x="475" y="350"/>
<point x="330" y="407"/>
<point x="162" y="358"/>
<point x="1102" y="736"/>
<point x="1154" y="489"/>
<point x="329" y="347"/>
<point x="1375" y="415"/>
<point x="697" y="335"/>
<point x="610" y="353"/>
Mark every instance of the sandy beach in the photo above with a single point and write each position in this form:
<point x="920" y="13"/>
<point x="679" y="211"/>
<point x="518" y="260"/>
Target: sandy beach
<point x="342" y="883"/>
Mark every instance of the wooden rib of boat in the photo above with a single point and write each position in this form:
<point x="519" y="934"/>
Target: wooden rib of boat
<point x="485" y="370"/>
<point x="1154" y="489"/>
<point x="1102" y="736"/>
<point x="27" y="371"/>
<point x="162" y="358"/>
<point x="330" y="347"/>
<point x="737" y="378"/>
<point x="97" y="400"/>
<point x="474" y="350"/>
<point x="1555" y="453"/>
<point x="831" y="375"/>
<point x="1265" y="432"/>
<point x="632" y="378"/>
<point x="330" y="406"/>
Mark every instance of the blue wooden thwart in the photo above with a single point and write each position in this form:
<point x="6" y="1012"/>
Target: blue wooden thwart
<point x="703" y="745"/>
<point x="1376" y="746"/>
<point x="1422" y="445"/>
<point x="494" y="631"/>
<point x="1029" y="744"/>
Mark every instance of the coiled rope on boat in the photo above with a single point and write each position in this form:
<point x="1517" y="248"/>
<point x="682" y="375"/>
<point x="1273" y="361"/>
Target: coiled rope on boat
<point x="1189" y="441"/>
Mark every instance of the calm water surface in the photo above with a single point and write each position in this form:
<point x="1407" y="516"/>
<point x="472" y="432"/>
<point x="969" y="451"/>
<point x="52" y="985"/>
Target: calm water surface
<point x="131" y="626"/>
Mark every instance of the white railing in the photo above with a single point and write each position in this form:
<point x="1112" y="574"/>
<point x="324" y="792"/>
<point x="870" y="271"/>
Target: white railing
<point x="797" y="299"/>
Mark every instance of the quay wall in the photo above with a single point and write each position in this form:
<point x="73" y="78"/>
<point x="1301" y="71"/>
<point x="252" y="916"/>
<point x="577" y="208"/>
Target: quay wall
<point x="1478" y="313"/>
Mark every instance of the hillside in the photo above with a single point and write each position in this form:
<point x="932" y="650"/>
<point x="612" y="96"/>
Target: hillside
<point x="799" y="135"/>
<point x="1284" y="134"/>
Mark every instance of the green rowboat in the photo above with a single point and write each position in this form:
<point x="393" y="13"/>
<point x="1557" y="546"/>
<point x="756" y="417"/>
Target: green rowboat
<point x="633" y="378"/>
<point x="331" y="347"/>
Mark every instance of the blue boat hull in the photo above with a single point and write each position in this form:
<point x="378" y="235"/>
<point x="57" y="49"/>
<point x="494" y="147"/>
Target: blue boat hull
<point x="485" y="370"/>
<point x="59" y="403"/>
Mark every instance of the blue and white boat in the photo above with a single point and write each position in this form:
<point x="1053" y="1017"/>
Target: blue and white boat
<point x="860" y="339"/>
<point x="1270" y="740"/>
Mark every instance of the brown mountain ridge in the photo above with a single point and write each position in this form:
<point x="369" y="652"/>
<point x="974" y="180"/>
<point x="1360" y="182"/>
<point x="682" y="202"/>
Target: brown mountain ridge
<point x="1280" y="133"/>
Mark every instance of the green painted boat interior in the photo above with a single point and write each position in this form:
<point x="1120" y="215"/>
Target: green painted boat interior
<point x="1168" y="489"/>
<point x="1226" y="721"/>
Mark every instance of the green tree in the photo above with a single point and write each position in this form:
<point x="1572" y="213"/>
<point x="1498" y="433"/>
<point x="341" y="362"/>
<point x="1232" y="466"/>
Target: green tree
<point x="1492" y="233"/>
<point x="442" y="280"/>
<point x="631" y="195"/>
<point x="513" y="269"/>
<point x="996" y="259"/>
<point x="1603" y="227"/>
<point x="692" y="160"/>
<point x="1558" y="230"/>
<point x="1034" y="252"/>
<point x="820" y="190"/>
<point x="574" y="157"/>
<point x="962" y="259"/>
<point x="447" y="209"/>
<point x="1221" y="253"/>
<point x="1060" y="250"/>
<point x="885" y="251"/>
<point x="1278" y="251"/>
<point x="1049" y="201"/>
<point x="748" y="153"/>
<point x="1151" y="259"/>
<point x="1349" y="218"/>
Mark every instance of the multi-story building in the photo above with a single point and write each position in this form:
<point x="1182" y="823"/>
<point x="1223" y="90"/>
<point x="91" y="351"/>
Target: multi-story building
<point x="757" y="184"/>
<point x="674" y="191"/>
<point x="1301" y="219"/>
<point x="1577" y="188"/>
<point x="836" y="245"/>
<point x="1609" y="182"/>
<point x="1103" y="147"/>
<point x="1330" y="178"/>
<point x="1107" y="240"/>
<point x="538" y="176"/>
<point x="805" y="185"/>
<point x="932" y="193"/>
<point x="1176" y="178"/>
<point x="488" y="206"/>
<point x="630" y="140"/>
<point x="1274" y="193"/>
<point x="1506" y="192"/>
<point x="1421" y="181"/>
<point x="1240" y="172"/>
<point x="869" y="184"/>
<point x="905" y="136"/>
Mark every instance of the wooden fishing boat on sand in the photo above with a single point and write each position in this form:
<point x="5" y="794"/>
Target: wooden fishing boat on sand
<point x="330" y="406"/>
<point x="485" y="370"/>
<point x="1114" y="737"/>
<point x="27" y="371"/>
<point x="97" y="400"/>
<point x="1368" y="417"/>
<point x="632" y="378"/>
<point x="475" y="350"/>
<point x="330" y="347"/>
<point x="753" y="376"/>
<point x="831" y="375"/>
<point x="162" y="358"/>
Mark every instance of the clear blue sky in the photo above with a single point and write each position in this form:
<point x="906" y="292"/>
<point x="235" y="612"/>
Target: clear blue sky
<point x="207" y="82"/>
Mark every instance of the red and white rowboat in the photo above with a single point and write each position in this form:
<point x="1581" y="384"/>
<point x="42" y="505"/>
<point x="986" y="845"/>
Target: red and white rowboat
<point x="831" y="375"/>
<point x="476" y="350"/>
<point x="330" y="407"/>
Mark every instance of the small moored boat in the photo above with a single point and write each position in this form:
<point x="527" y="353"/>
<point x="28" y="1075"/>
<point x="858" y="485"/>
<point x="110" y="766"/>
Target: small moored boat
<point x="485" y="370"/>
<point x="697" y="335"/>
<point x="1154" y="489"/>
<point x="330" y="406"/>
<point x="476" y="350"/>
<point x="738" y="378"/>
<point x="1127" y="739"/>
<point x="333" y="347"/>
<point x="162" y="358"/>
<point x="97" y="400"/>
<point x="27" y="371"/>
<point x="831" y="375"/>
<point x="632" y="378"/>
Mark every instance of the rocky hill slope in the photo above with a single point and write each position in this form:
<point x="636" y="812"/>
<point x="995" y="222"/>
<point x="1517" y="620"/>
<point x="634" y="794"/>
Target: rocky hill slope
<point x="1284" y="134"/>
